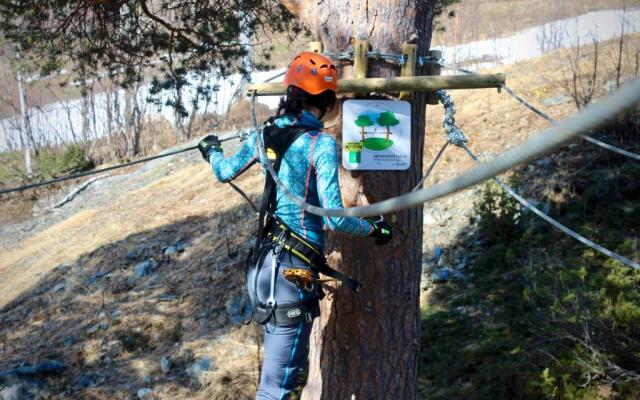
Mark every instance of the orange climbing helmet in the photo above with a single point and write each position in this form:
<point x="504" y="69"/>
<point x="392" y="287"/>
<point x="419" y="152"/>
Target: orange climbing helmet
<point x="313" y="73"/>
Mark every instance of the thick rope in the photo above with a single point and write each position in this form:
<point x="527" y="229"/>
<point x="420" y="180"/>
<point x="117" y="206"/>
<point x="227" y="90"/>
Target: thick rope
<point x="556" y="224"/>
<point x="461" y="141"/>
<point x="564" y="131"/>
<point x="546" y="116"/>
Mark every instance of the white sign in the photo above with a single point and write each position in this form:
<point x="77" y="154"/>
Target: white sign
<point x="376" y="134"/>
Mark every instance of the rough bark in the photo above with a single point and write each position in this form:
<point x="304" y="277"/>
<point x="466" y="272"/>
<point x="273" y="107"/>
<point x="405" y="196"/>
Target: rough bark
<point x="366" y="346"/>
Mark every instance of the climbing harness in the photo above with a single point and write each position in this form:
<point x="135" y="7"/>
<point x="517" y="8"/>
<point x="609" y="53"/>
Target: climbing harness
<point x="274" y="236"/>
<point x="303" y="278"/>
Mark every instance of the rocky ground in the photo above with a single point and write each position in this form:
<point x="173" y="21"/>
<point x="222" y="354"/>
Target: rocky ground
<point x="133" y="289"/>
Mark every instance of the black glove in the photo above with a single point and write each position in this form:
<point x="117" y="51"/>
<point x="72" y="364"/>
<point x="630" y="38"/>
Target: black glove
<point x="208" y="144"/>
<point x="382" y="232"/>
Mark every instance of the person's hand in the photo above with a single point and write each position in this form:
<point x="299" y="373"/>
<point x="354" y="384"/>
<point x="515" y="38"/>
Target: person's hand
<point x="208" y="144"/>
<point x="382" y="231"/>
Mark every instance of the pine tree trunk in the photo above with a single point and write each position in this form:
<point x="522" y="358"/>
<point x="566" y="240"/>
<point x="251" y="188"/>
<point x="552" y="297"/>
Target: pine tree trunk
<point x="366" y="345"/>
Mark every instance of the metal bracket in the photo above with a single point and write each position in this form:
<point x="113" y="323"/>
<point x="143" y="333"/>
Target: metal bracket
<point x="360" y="62"/>
<point x="433" y="69"/>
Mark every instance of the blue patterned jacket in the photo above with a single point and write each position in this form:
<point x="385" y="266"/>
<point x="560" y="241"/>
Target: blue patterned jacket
<point x="309" y="169"/>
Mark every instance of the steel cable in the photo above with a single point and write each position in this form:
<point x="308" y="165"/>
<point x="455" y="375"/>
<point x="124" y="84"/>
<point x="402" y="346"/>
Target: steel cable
<point x="556" y="224"/>
<point x="461" y="141"/>
<point x="546" y="116"/>
<point x="243" y="134"/>
<point x="564" y="131"/>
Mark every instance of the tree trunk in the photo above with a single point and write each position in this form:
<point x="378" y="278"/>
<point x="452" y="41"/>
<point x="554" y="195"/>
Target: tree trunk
<point x="25" y="124"/>
<point x="366" y="345"/>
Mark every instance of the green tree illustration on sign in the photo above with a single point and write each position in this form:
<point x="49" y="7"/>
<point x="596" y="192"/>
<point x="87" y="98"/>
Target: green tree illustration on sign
<point x="363" y="121"/>
<point x="388" y="119"/>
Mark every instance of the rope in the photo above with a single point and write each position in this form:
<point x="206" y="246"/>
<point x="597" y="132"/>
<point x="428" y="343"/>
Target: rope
<point x="566" y="130"/>
<point x="242" y="135"/>
<point x="433" y="164"/>
<point x="556" y="224"/>
<point x="546" y="116"/>
<point x="446" y="101"/>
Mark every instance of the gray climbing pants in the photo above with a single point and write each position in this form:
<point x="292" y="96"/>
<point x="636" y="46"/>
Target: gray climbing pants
<point x="285" y="348"/>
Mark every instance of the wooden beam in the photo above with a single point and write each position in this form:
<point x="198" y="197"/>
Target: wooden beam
<point x="393" y="85"/>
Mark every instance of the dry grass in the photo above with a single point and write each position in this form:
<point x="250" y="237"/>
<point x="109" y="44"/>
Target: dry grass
<point x="142" y="327"/>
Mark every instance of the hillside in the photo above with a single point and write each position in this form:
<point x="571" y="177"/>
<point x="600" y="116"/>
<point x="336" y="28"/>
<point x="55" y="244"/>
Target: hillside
<point x="147" y="266"/>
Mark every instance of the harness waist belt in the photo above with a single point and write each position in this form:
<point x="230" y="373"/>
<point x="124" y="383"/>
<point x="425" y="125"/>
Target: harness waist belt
<point x="287" y="314"/>
<point x="306" y="252"/>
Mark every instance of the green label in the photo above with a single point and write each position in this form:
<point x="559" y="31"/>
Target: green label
<point x="353" y="146"/>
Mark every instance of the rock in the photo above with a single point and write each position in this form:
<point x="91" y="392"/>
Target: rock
<point x="440" y="276"/>
<point x="137" y="253"/>
<point x="58" y="288"/>
<point x="69" y="341"/>
<point x="442" y="262"/>
<point x="238" y="311"/>
<point x="165" y="364"/>
<point x="93" y="329"/>
<point x="437" y="253"/>
<point x="171" y="250"/>
<point x="146" y="379"/>
<point x="198" y="368"/>
<point x="145" y="393"/>
<point x="14" y="392"/>
<point x="102" y="315"/>
<point x="144" y="268"/>
<point x="427" y="219"/>
<point x="92" y="280"/>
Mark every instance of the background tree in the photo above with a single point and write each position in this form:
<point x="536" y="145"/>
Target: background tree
<point x="387" y="119"/>
<point x="362" y="122"/>
<point x="367" y="345"/>
<point x="173" y="37"/>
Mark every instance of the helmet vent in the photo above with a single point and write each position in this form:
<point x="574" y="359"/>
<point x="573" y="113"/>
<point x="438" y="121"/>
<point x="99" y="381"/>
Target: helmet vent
<point x="312" y="62"/>
<point x="332" y="67"/>
<point x="323" y="66"/>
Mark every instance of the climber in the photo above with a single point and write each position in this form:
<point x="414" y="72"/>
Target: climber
<point x="306" y="161"/>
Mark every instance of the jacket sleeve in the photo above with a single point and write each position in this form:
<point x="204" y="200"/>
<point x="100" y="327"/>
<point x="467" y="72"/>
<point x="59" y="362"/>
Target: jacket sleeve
<point x="227" y="169"/>
<point x="325" y="160"/>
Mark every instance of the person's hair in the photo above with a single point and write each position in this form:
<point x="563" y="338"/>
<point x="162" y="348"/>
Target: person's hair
<point x="297" y="99"/>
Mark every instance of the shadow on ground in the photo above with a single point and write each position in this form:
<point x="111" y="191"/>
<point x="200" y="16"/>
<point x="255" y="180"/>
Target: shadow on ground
<point x="113" y="314"/>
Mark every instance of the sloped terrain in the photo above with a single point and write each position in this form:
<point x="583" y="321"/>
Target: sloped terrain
<point x="141" y="288"/>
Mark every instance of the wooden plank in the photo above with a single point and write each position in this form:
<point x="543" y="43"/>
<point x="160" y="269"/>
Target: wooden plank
<point x="397" y="84"/>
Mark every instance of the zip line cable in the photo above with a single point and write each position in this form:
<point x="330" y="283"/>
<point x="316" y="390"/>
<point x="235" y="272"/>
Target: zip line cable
<point x="546" y="116"/>
<point x="564" y="131"/>
<point x="239" y="135"/>
<point x="242" y="135"/>
<point x="556" y="224"/>
<point x="433" y="164"/>
<point x="450" y="126"/>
